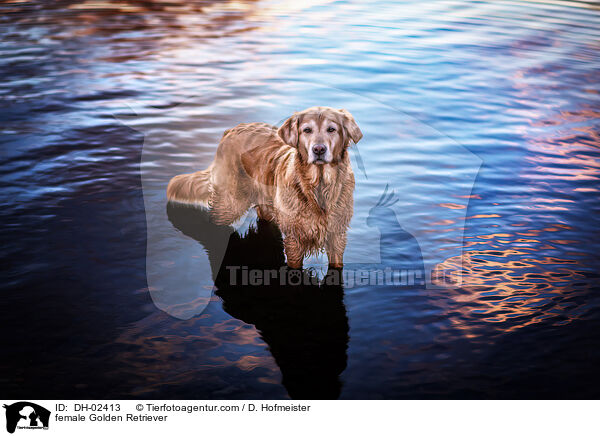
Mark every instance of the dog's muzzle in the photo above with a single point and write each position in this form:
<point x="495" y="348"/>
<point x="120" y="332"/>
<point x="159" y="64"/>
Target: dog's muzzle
<point x="320" y="154"/>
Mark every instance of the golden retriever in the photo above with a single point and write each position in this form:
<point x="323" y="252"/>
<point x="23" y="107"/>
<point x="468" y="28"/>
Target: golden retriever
<point x="298" y="176"/>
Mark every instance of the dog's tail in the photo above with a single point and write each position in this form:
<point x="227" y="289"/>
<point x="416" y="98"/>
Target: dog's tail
<point x="193" y="189"/>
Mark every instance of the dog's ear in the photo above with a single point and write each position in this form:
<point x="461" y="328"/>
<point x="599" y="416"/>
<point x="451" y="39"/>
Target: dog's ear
<point x="350" y="126"/>
<point x="289" y="131"/>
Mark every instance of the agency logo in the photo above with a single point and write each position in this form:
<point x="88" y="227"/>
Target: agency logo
<point x="26" y="415"/>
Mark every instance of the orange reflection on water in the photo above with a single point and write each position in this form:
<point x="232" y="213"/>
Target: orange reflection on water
<point x="510" y="287"/>
<point x="481" y="215"/>
<point x="452" y="205"/>
<point x="443" y="223"/>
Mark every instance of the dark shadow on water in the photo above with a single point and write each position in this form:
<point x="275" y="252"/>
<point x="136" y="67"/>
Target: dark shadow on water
<point x="304" y="325"/>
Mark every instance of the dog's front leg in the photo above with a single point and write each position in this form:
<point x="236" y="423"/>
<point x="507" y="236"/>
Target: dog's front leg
<point x="335" y="245"/>
<point x="293" y="251"/>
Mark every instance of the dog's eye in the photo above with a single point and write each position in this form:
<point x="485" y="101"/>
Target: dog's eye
<point x="331" y="129"/>
<point x="307" y="130"/>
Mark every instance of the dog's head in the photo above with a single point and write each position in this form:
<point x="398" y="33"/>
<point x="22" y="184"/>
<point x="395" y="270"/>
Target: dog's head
<point x="321" y="134"/>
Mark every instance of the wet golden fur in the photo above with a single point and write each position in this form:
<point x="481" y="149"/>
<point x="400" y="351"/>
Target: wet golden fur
<point x="258" y="165"/>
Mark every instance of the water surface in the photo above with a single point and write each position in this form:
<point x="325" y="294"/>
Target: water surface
<point x="481" y="117"/>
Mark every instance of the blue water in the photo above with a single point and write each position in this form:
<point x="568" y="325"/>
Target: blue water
<point x="482" y="118"/>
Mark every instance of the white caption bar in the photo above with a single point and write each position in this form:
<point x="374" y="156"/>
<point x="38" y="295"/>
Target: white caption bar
<point x="156" y="417"/>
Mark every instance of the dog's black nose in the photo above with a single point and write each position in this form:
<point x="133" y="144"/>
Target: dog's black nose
<point x="319" y="149"/>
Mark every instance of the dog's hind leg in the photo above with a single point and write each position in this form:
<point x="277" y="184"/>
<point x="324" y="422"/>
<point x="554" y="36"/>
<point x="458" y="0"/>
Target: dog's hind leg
<point x="226" y="208"/>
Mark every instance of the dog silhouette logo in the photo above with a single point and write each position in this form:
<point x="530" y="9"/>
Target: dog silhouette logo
<point x="26" y="415"/>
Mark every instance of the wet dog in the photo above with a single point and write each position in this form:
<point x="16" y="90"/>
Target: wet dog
<point x="298" y="176"/>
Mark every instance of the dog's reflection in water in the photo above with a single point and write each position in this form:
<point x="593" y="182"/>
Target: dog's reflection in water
<point x="305" y="325"/>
